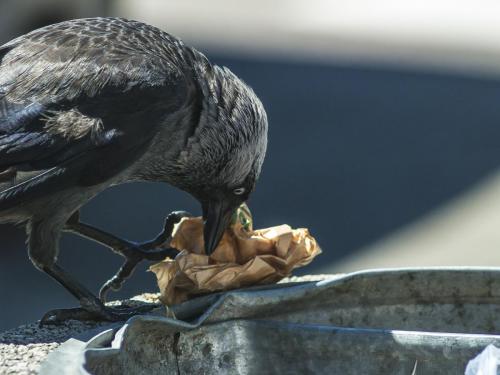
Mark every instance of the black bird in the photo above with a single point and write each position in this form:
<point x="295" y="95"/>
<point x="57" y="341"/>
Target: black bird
<point x="90" y="103"/>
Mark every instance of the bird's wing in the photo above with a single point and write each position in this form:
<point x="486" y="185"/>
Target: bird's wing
<point x="83" y="98"/>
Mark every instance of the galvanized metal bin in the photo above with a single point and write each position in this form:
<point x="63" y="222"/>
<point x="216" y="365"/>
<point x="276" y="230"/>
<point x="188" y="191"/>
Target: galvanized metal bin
<point x="401" y="321"/>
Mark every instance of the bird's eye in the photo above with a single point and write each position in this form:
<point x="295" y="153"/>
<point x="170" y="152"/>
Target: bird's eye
<point x="239" y="191"/>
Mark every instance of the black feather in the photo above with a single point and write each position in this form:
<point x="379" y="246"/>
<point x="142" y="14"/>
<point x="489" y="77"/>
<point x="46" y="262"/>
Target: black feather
<point x="121" y="78"/>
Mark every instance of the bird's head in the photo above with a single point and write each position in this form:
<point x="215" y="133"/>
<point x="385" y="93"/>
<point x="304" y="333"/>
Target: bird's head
<point x="222" y="160"/>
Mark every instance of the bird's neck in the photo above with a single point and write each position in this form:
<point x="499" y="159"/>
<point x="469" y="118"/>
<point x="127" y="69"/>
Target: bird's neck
<point x="182" y="137"/>
<point x="158" y="162"/>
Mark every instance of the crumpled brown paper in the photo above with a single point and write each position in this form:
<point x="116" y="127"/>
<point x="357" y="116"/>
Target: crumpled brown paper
<point x="244" y="257"/>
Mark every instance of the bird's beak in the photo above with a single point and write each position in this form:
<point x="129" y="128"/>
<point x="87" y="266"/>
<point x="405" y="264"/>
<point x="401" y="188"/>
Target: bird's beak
<point x="217" y="215"/>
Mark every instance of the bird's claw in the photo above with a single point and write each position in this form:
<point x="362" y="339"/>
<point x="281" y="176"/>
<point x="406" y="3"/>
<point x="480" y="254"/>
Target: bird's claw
<point x="168" y="227"/>
<point x="145" y="251"/>
<point x="115" y="284"/>
<point x="106" y="313"/>
<point x="155" y="250"/>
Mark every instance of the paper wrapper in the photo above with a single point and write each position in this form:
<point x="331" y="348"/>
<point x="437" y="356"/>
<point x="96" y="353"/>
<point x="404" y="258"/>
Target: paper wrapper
<point x="243" y="258"/>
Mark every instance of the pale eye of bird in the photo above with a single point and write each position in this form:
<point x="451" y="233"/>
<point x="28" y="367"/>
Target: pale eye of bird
<point x="239" y="191"/>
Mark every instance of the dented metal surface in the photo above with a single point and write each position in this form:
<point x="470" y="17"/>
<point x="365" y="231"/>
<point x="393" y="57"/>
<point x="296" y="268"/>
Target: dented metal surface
<point x="384" y="322"/>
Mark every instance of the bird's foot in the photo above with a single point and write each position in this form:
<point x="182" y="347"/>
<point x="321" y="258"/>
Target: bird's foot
<point x="150" y="250"/>
<point x="103" y="313"/>
<point x="128" y="267"/>
<point x="134" y="253"/>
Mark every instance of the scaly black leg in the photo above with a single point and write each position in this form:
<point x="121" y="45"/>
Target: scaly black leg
<point x="91" y="307"/>
<point x="43" y="237"/>
<point x="134" y="253"/>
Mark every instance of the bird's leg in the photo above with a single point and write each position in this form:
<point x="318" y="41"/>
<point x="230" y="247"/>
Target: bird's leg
<point x="133" y="253"/>
<point x="43" y="239"/>
<point x="91" y="307"/>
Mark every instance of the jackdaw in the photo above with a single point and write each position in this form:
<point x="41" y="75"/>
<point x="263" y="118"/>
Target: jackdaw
<point x="90" y="103"/>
